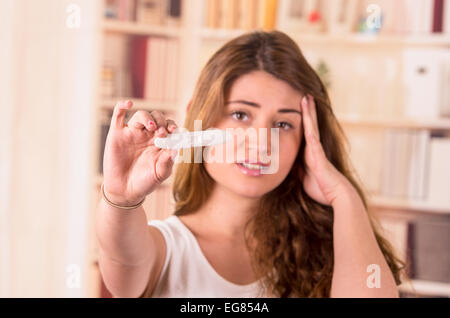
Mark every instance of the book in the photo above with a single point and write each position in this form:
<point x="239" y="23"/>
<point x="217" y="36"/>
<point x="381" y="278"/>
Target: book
<point x="162" y="67"/>
<point x="151" y="76"/>
<point x="270" y="10"/>
<point x="213" y="11"/>
<point x="171" y="85"/>
<point x="367" y="157"/>
<point x="397" y="163"/>
<point x="426" y="81"/>
<point x="296" y="16"/>
<point x="430" y="252"/>
<point x="174" y="13"/>
<point x="418" y="173"/>
<point x="161" y="72"/>
<point x="438" y="11"/>
<point x="138" y="60"/>
<point x="247" y="14"/>
<point x="104" y="129"/>
<point x="388" y="163"/>
<point x="439" y="179"/>
<point x="426" y="23"/>
<point x="115" y="58"/>
<point x="446" y="17"/>
<point x="107" y="81"/>
<point x="126" y="10"/>
<point x="228" y="14"/>
<point x="395" y="230"/>
<point x="110" y="9"/>
<point x="150" y="11"/>
<point x="402" y="152"/>
<point x="342" y="16"/>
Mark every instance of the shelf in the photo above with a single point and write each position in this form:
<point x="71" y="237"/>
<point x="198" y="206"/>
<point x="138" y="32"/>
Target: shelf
<point x="428" y="288"/>
<point x="220" y="34"/>
<point x="381" y="40"/>
<point x="405" y="204"/>
<point x="443" y="124"/>
<point x="326" y="38"/>
<point x="141" y="104"/>
<point x="133" y="28"/>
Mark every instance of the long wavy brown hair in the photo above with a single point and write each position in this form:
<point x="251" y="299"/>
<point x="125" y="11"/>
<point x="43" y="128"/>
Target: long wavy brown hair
<point x="293" y="233"/>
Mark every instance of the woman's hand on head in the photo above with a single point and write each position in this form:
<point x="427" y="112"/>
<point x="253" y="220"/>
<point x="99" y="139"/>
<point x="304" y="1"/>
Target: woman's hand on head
<point x="322" y="181"/>
<point x="132" y="165"/>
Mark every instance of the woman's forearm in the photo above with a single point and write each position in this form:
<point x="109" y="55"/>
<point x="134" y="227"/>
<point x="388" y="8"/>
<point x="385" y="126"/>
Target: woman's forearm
<point x="355" y="250"/>
<point x="122" y="234"/>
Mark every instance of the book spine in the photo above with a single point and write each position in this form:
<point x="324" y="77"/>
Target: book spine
<point x="438" y="11"/>
<point x="160" y="73"/>
<point x="138" y="59"/>
<point x="270" y="14"/>
<point x="213" y="14"/>
<point x="170" y="71"/>
<point x="150" y="75"/>
<point x="388" y="161"/>
<point x="173" y="16"/>
<point x="423" y="159"/>
<point x="446" y="16"/>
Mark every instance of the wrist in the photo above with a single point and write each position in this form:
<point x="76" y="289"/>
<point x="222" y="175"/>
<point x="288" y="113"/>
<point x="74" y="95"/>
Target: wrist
<point x="121" y="202"/>
<point x="347" y="196"/>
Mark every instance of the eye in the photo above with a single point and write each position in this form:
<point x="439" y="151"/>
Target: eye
<point x="284" y="125"/>
<point x="239" y="115"/>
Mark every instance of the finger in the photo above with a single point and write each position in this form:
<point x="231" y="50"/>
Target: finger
<point x="142" y="120"/>
<point x="307" y="119"/>
<point x="118" y="117"/>
<point x="164" y="164"/>
<point x="319" y="158"/>
<point x="313" y="111"/>
<point x="171" y="125"/>
<point x="159" y="118"/>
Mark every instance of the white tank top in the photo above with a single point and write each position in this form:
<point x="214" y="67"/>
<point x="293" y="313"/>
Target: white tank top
<point x="186" y="271"/>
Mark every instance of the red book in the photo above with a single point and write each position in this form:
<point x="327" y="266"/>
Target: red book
<point x="438" y="14"/>
<point x="138" y="65"/>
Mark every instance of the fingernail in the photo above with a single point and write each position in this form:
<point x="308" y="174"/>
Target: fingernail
<point x="151" y="123"/>
<point x="304" y="101"/>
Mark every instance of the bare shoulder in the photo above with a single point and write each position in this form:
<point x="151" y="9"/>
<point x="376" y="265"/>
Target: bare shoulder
<point x="159" y="254"/>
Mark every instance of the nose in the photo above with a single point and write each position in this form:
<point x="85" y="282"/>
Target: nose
<point x="258" y="143"/>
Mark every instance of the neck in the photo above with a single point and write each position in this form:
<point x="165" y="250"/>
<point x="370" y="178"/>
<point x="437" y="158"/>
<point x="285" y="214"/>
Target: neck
<point x="228" y="212"/>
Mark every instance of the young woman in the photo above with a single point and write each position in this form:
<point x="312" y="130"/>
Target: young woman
<point x="303" y="231"/>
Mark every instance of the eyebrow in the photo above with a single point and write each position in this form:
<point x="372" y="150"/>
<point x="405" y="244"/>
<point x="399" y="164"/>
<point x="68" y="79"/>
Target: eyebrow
<point x="281" y="110"/>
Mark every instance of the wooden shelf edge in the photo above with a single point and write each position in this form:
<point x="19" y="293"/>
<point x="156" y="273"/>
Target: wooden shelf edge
<point x="405" y="204"/>
<point x="428" y="288"/>
<point x="438" y="123"/>
<point x="350" y="38"/>
<point x="133" y="28"/>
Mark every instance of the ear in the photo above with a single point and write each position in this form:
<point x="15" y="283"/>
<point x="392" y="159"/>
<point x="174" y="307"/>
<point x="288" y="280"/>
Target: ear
<point x="188" y="106"/>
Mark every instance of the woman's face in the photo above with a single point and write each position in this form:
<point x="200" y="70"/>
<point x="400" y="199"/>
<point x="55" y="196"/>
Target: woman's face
<point x="259" y="100"/>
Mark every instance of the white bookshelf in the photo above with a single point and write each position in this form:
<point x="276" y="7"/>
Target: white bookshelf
<point x="194" y="38"/>
<point x="431" y="124"/>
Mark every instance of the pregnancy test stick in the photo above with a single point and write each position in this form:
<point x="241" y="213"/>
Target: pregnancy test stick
<point x="190" y="139"/>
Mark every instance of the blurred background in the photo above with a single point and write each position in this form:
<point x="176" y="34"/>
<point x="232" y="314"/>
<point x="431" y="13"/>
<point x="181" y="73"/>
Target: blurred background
<point x="64" y="65"/>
